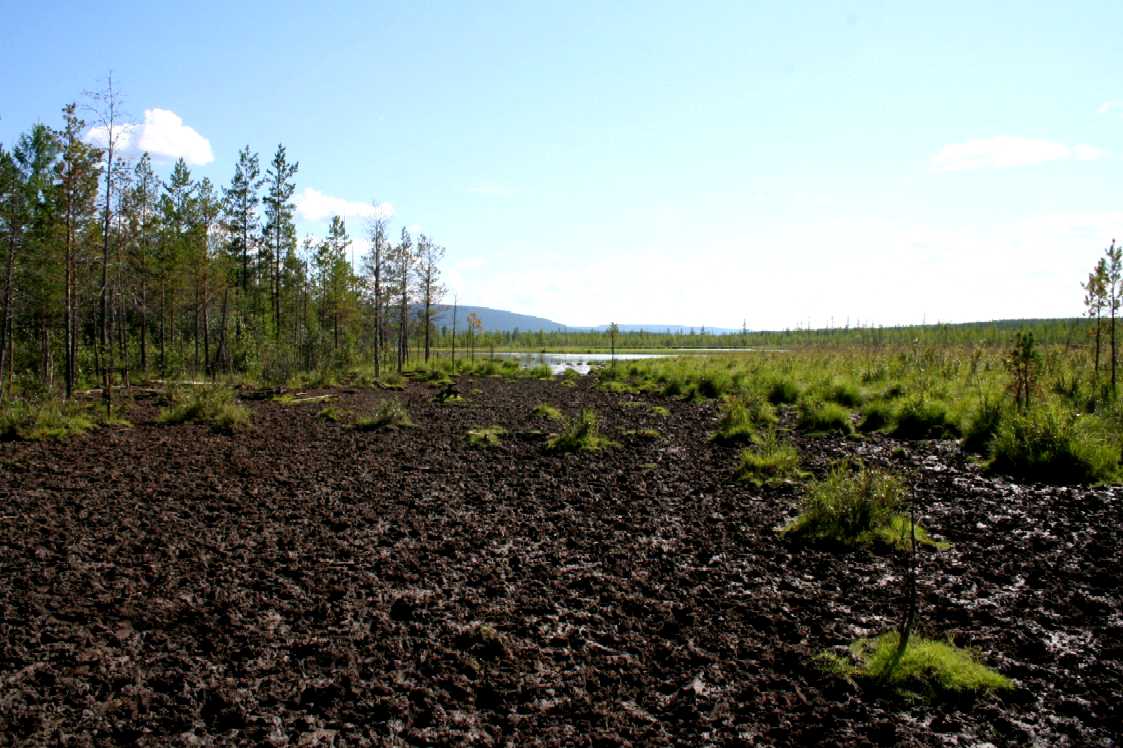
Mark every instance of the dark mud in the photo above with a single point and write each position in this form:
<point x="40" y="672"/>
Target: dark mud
<point x="304" y="583"/>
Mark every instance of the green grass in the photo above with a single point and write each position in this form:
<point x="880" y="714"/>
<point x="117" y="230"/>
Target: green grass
<point x="646" y="435"/>
<point x="1049" y="446"/>
<point x="783" y="392"/>
<point x="44" y="421"/>
<point x="390" y="415"/>
<point x="772" y="461"/>
<point x="876" y="416"/>
<point x="659" y="410"/>
<point x="923" y="418"/>
<point x="581" y="434"/>
<point x="933" y="669"/>
<point x="855" y="505"/>
<point x="735" y="426"/>
<point x="213" y="405"/>
<point x="545" y="410"/>
<point x="846" y="394"/>
<point x="818" y="417"/>
<point x="334" y="415"/>
<point x="289" y="399"/>
<point x="486" y="436"/>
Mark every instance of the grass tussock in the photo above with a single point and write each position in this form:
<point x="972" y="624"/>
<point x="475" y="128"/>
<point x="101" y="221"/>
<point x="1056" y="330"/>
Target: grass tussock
<point x="334" y="415"/>
<point x="1052" y="447"/>
<point x="817" y="417"/>
<point x="581" y="434"/>
<point x="930" y="668"/>
<point x="771" y="462"/>
<point x="545" y="410"/>
<point x="21" y="420"/>
<point x="390" y="415"/>
<point x="486" y="436"/>
<point x="213" y="405"/>
<point x="855" y="505"/>
<point x="645" y="435"/>
<point x="783" y="392"/>
<point x="924" y="418"/>
<point x="877" y="416"/>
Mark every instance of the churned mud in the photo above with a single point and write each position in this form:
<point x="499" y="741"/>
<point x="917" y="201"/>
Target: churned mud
<point x="306" y="583"/>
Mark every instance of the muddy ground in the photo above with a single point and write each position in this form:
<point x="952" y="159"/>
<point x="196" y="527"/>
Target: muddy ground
<point x="305" y="583"/>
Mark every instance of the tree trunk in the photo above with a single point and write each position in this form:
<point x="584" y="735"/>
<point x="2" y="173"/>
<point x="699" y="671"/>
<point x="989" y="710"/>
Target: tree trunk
<point x="6" y="319"/>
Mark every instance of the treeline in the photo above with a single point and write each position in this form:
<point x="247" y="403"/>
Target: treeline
<point x="111" y="273"/>
<point x="1065" y="332"/>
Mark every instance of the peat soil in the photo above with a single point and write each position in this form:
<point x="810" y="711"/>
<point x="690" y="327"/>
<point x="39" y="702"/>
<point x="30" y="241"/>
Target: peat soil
<point x="307" y="583"/>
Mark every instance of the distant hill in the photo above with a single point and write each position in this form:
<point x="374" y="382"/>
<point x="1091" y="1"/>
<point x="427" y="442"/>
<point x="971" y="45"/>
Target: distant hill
<point x="499" y="320"/>
<point x="494" y="320"/>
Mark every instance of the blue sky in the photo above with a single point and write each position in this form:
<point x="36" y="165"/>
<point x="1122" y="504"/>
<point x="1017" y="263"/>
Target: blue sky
<point x="781" y="164"/>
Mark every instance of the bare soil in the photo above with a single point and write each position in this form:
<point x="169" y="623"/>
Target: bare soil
<point x="305" y="583"/>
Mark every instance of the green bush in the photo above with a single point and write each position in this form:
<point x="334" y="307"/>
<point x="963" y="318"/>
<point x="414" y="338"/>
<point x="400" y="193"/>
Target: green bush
<point x="820" y="418"/>
<point x="390" y="415"/>
<point x="931" y="668"/>
<point x="1051" y="447"/>
<point x="924" y="418"/>
<point x="770" y="462"/>
<point x="581" y="434"/>
<point x="212" y="405"/>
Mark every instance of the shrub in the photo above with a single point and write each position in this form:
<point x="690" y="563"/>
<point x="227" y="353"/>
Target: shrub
<point x="486" y="436"/>
<point x="44" y="420"/>
<point x="390" y="415"/>
<point x="1050" y="447"/>
<point x="212" y="405"/>
<point x="545" y="410"/>
<point x="932" y="668"/>
<point x="772" y="461"/>
<point x="783" y="392"/>
<point x="855" y="506"/>
<point x="582" y="434"/>
<point x="923" y="418"/>
<point x="819" y="417"/>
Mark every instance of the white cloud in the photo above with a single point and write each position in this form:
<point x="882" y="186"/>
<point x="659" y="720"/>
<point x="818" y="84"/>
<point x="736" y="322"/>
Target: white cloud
<point x="162" y="134"/>
<point x="313" y="205"/>
<point x="1006" y="151"/>
<point x="1107" y="107"/>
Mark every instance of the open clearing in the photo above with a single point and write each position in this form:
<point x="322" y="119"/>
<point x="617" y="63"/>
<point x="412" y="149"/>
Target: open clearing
<point x="303" y="581"/>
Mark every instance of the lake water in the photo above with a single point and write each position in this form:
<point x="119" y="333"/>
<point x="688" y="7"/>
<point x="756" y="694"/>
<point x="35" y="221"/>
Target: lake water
<point x="582" y="363"/>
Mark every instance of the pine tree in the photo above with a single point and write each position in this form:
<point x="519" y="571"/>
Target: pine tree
<point x="375" y="268"/>
<point x="429" y="256"/>
<point x="279" y="222"/>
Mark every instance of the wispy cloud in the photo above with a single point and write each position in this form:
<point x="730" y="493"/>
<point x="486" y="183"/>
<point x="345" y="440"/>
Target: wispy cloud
<point x="1006" y="151"/>
<point x="162" y="134"/>
<point x="313" y="205"/>
<point x="1114" y="105"/>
